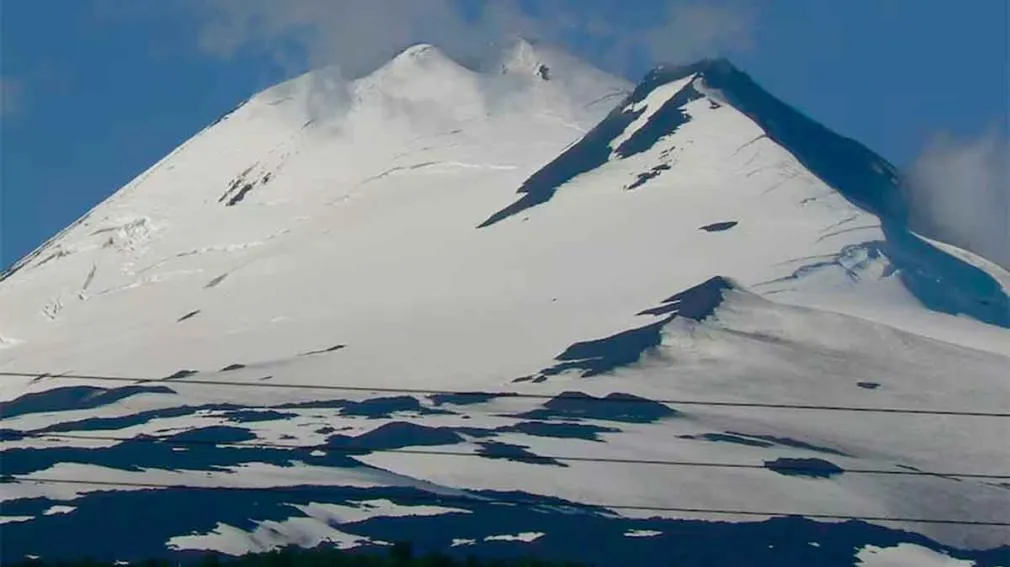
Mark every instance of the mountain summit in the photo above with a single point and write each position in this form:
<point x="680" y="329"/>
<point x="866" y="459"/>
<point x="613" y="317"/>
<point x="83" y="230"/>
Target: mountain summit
<point x="497" y="310"/>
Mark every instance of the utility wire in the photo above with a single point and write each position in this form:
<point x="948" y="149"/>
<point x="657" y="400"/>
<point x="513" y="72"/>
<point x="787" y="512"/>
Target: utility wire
<point x="515" y="395"/>
<point x="352" y="450"/>
<point x="447" y="499"/>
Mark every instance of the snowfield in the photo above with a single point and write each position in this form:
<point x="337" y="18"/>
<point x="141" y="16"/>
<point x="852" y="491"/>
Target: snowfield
<point x="502" y="311"/>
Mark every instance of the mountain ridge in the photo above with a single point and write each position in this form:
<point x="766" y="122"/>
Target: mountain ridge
<point x="861" y="176"/>
<point x="269" y="328"/>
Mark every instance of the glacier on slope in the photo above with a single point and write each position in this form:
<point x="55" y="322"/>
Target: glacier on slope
<point x="701" y="241"/>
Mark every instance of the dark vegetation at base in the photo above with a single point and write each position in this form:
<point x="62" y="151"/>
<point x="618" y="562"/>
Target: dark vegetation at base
<point x="584" y="431"/>
<point x="92" y="527"/>
<point x="123" y="421"/>
<point x="252" y="415"/>
<point x="11" y="435"/>
<point x="512" y="452"/>
<point x="467" y="398"/>
<point x="71" y="398"/>
<point x="372" y="408"/>
<point x="194" y="449"/>
<point x="813" y="468"/>
<point x="625" y="408"/>
<point x="204" y="449"/>
<point x="776" y="542"/>
<point x="234" y="413"/>
<point x="376" y="408"/>
<point x="399" y="555"/>
<point x="396" y="435"/>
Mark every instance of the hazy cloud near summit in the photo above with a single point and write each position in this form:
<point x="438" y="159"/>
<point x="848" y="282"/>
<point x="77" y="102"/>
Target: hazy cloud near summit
<point x="359" y="35"/>
<point x="959" y="190"/>
<point x="960" y="194"/>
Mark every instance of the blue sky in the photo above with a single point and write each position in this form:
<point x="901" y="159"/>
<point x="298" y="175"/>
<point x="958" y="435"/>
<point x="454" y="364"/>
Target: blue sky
<point x="95" y="91"/>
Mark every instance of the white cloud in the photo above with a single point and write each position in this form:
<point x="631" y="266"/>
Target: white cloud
<point x="350" y="38"/>
<point x="960" y="193"/>
<point x="358" y="35"/>
<point x="694" y="30"/>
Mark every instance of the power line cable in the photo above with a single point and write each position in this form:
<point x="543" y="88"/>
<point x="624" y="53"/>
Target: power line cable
<point x="515" y="395"/>
<point x="352" y="450"/>
<point x="448" y="499"/>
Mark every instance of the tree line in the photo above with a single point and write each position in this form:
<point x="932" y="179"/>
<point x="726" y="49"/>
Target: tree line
<point x="400" y="555"/>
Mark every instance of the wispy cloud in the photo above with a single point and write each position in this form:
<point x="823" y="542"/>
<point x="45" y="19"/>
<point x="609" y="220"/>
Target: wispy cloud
<point x="360" y="35"/>
<point x="960" y="193"/>
<point x="693" y="30"/>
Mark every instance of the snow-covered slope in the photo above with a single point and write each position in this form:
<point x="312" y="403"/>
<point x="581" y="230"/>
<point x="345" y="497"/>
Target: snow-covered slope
<point x="691" y="252"/>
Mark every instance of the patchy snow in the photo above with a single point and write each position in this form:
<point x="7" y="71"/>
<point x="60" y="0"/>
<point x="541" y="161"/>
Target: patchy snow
<point x="268" y="536"/>
<point x="59" y="510"/>
<point x="525" y="537"/>
<point x="335" y="514"/>
<point x="642" y="533"/>
<point x="13" y="519"/>
<point x="906" y="555"/>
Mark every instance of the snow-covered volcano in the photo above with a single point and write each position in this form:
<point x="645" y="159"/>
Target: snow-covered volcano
<point x="295" y="300"/>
